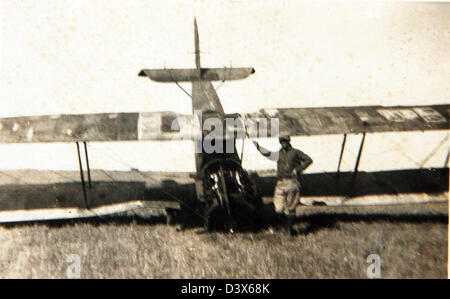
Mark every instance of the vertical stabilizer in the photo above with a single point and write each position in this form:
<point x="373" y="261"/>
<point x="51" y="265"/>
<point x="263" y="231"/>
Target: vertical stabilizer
<point x="197" y="46"/>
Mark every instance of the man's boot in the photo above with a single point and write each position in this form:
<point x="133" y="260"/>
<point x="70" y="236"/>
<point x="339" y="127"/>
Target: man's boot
<point x="281" y="220"/>
<point x="288" y="224"/>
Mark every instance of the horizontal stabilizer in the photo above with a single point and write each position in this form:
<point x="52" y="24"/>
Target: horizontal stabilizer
<point x="190" y="75"/>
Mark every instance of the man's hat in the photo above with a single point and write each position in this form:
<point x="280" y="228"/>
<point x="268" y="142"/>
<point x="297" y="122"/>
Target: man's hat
<point x="285" y="138"/>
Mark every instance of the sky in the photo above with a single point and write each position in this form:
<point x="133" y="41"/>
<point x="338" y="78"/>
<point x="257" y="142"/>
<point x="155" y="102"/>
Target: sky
<point x="70" y="57"/>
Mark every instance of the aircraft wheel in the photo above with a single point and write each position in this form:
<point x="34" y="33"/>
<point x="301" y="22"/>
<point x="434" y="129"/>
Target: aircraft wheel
<point x="218" y="219"/>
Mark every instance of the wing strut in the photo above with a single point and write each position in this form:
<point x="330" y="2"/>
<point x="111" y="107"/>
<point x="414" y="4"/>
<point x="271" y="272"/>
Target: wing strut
<point x="342" y="153"/>
<point x="446" y="161"/>
<point x="355" y="171"/>
<point x="87" y="164"/>
<point x="83" y="182"/>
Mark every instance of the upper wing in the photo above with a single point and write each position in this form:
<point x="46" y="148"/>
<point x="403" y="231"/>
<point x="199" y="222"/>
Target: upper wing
<point x="95" y="127"/>
<point x="172" y="126"/>
<point x="342" y="120"/>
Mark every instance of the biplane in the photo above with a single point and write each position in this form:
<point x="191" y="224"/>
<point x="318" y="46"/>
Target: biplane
<point x="225" y="194"/>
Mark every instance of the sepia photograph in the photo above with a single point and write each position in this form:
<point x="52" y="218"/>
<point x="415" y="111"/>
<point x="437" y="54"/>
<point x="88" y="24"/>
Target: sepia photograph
<point x="226" y="139"/>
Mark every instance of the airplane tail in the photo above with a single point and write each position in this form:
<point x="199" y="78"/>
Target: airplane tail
<point x="197" y="46"/>
<point x="191" y="75"/>
<point x="199" y="73"/>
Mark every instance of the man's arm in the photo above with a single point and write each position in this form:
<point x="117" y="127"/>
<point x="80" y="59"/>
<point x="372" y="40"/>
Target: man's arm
<point x="265" y="152"/>
<point x="304" y="161"/>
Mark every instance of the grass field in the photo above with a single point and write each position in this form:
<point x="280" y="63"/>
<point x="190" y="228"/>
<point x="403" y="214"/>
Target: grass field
<point x="333" y="243"/>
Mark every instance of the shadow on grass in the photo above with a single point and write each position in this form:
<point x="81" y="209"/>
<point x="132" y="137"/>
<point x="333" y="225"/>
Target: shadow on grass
<point x="93" y="221"/>
<point x="319" y="221"/>
<point x="305" y="224"/>
<point x="70" y="195"/>
<point x="14" y="197"/>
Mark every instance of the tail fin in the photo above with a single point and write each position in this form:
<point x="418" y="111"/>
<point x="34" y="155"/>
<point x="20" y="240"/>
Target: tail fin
<point x="197" y="46"/>
<point x="197" y="74"/>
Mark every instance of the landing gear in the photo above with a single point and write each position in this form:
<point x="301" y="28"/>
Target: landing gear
<point x="227" y="200"/>
<point x="232" y="203"/>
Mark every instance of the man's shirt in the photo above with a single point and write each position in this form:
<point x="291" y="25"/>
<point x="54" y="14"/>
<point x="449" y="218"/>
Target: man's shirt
<point x="288" y="160"/>
<point x="291" y="159"/>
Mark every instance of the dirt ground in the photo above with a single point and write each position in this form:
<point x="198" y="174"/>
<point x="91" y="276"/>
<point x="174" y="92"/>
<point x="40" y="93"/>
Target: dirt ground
<point x="411" y="241"/>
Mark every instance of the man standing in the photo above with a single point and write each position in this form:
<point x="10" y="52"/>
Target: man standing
<point x="290" y="163"/>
